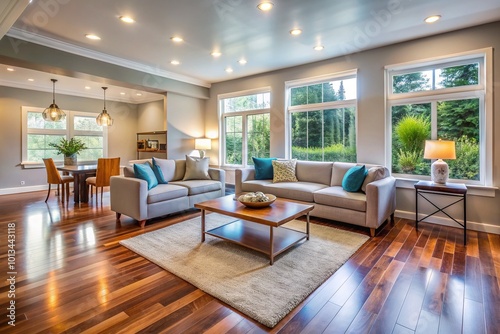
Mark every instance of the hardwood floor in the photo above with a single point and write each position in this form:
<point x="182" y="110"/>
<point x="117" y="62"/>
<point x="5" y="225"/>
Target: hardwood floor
<point x="72" y="276"/>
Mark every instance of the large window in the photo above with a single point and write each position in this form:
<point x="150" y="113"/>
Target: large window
<point x="245" y="126"/>
<point x="38" y="134"/>
<point x="445" y="99"/>
<point x="322" y="118"/>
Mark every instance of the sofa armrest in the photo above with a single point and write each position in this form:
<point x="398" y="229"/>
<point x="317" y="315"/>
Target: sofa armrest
<point x="380" y="201"/>
<point x="219" y="175"/>
<point x="129" y="196"/>
<point x="241" y="175"/>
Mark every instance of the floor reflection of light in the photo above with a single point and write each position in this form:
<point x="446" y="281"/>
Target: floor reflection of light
<point x="43" y="244"/>
<point x="52" y="291"/>
<point x="103" y="288"/>
<point x="86" y="235"/>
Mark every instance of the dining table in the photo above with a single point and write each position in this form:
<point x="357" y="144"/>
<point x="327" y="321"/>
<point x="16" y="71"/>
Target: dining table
<point x="80" y="173"/>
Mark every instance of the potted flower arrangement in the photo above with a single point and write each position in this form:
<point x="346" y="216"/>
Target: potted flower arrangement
<point x="70" y="149"/>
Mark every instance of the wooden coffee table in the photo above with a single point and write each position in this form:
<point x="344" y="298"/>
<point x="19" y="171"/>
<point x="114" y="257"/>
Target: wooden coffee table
<point x="257" y="228"/>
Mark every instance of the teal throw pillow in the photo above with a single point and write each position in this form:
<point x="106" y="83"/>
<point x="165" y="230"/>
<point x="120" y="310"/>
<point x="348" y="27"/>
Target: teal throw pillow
<point x="158" y="172"/>
<point x="263" y="168"/>
<point x="144" y="172"/>
<point x="353" y="178"/>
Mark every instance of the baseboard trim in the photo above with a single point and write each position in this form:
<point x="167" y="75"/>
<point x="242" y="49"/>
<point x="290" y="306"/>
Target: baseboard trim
<point x="10" y="191"/>
<point x="475" y="226"/>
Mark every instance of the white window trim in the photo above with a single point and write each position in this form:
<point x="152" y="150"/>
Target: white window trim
<point x="484" y="187"/>
<point x="244" y="114"/>
<point x="348" y="74"/>
<point x="69" y="132"/>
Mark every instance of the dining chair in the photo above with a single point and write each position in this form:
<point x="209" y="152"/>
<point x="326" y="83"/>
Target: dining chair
<point x="106" y="167"/>
<point x="54" y="177"/>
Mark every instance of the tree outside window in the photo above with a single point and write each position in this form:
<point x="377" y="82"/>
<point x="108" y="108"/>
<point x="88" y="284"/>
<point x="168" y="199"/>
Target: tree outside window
<point x="323" y="121"/>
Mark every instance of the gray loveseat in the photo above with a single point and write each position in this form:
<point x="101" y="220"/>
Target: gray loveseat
<point x="321" y="183"/>
<point x="130" y="196"/>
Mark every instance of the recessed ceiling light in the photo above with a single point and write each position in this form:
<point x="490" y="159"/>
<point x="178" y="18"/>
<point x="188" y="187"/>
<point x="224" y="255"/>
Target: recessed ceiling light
<point x="176" y="39"/>
<point x="216" y="54"/>
<point x="432" y="19"/>
<point x="30" y="79"/>
<point x="93" y="37"/>
<point x="175" y="62"/>
<point x="319" y="47"/>
<point x="229" y="70"/>
<point x="87" y="87"/>
<point x="242" y="61"/>
<point x="265" y="6"/>
<point x="138" y="94"/>
<point x="122" y="93"/>
<point x="127" y="19"/>
<point x="10" y="69"/>
<point x="295" y="32"/>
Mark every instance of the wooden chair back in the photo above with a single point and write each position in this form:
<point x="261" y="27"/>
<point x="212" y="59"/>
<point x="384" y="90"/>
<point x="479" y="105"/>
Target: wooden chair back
<point x="106" y="167"/>
<point x="53" y="176"/>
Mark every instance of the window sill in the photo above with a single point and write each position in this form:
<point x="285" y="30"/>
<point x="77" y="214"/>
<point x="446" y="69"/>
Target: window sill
<point x="472" y="189"/>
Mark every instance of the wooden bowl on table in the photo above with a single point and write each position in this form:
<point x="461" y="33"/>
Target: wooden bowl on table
<point x="271" y="197"/>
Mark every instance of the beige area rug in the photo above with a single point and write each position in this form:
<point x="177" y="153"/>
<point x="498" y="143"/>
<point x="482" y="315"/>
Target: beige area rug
<point x="242" y="277"/>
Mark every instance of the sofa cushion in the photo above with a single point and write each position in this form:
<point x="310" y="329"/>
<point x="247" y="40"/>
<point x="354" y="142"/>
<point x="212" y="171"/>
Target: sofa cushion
<point x="353" y="178"/>
<point x="300" y="191"/>
<point x="284" y="170"/>
<point x="338" y="171"/>
<point x="336" y="196"/>
<point x="263" y="168"/>
<point x="128" y="171"/>
<point x="196" y="187"/>
<point x="196" y="169"/>
<point x="165" y="192"/>
<point x="374" y="174"/>
<point x="314" y="171"/>
<point x="144" y="172"/>
<point x="255" y="185"/>
<point x="164" y="169"/>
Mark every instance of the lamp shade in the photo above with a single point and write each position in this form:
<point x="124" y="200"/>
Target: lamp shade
<point x="439" y="149"/>
<point x="104" y="119"/>
<point x="202" y="144"/>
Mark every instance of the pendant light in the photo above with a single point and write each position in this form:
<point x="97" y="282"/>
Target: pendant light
<point x="53" y="113"/>
<point x="103" y="118"/>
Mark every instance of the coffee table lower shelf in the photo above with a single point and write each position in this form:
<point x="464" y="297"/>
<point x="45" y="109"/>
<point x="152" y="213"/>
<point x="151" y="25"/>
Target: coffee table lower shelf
<point x="258" y="237"/>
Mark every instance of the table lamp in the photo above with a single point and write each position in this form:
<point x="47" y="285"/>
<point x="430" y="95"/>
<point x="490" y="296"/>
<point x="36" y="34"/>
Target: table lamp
<point x="202" y="144"/>
<point x="439" y="149"/>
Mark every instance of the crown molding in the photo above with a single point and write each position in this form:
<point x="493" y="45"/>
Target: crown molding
<point x="80" y="93"/>
<point x="78" y="50"/>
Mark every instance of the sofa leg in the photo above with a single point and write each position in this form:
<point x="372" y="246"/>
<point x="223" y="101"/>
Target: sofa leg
<point x="372" y="232"/>
<point x="142" y="223"/>
<point x="118" y="215"/>
<point x="392" y="218"/>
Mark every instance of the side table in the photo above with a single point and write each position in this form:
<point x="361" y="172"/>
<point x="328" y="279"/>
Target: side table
<point x="458" y="190"/>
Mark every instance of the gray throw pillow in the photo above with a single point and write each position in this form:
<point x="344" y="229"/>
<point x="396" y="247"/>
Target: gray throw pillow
<point x="196" y="169"/>
<point x="374" y="174"/>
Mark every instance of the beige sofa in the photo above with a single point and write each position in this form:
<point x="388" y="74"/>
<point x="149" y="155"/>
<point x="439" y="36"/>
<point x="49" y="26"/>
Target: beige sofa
<point x="321" y="183"/>
<point x="130" y="196"/>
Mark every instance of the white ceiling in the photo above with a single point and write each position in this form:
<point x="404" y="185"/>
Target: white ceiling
<point x="236" y="28"/>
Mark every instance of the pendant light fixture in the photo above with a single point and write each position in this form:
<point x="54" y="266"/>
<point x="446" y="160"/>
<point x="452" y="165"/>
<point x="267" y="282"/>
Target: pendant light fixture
<point x="103" y="118"/>
<point x="53" y="113"/>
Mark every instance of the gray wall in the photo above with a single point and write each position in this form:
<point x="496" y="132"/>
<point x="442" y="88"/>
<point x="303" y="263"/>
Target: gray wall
<point x="121" y="139"/>
<point x="485" y="211"/>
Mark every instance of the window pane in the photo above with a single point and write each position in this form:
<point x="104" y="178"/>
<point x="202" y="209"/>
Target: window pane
<point x="86" y="124"/>
<point x="458" y="120"/>
<point x="324" y="135"/>
<point x="95" y="145"/>
<point x="298" y="96"/>
<point x="410" y="128"/>
<point x="38" y="147"/>
<point x="233" y="140"/>
<point x="455" y="76"/>
<point x="248" y="102"/>
<point x="412" y="82"/>
<point x="315" y="94"/>
<point x="258" y="141"/>
<point x="35" y="121"/>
